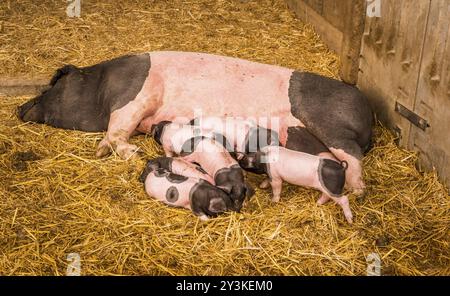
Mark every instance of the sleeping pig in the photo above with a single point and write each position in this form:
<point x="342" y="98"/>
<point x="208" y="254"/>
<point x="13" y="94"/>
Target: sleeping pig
<point x="204" y="199"/>
<point x="299" y="168"/>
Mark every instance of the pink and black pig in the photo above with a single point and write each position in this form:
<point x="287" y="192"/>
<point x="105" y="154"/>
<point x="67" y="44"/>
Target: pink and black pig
<point x="129" y="94"/>
<point x="303" y="169"/>
<point x="204" y="199"/>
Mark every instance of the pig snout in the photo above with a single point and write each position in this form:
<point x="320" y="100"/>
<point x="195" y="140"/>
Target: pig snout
<point x="30" y="111"/>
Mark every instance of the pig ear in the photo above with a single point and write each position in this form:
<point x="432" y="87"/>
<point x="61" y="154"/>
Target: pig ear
<point x="217" y="205"/>
<point x="226" y="188"/>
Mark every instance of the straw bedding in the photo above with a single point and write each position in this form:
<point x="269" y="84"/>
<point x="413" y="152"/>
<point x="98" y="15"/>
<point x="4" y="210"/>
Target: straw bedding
<point x="56" y="198"/>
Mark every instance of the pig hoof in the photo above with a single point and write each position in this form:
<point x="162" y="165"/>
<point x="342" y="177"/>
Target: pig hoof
<point x="127" y="151"/>
<point x="358" y="191"/>
<point x="204" y="218"/>
<point x="349" y="219"/>
<point x="103" y="150"/>
<point x="276" y="199"/>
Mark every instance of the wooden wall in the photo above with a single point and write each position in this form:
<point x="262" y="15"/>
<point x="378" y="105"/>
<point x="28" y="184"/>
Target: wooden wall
<point x="400" y="60"/>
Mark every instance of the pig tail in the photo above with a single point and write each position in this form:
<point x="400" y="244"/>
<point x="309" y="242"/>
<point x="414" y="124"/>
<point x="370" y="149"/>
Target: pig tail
<point x="344" y="164"/>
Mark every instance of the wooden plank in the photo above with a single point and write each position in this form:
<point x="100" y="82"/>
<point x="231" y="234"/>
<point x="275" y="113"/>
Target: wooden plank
<point x="433" y="94"/>
<point x="390" y="60"/>
<point x="330" y="35"/>
<point x="334" y="11"/>
<point x="352" y="36"/>
<point x="18" y="86"/>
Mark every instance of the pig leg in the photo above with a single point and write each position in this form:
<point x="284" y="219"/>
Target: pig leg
<point x="353" y="174"/>
<point x="345" y="205"/>
<point x="121" y="126"/>
<point x="276" y="184"/>
<point x="124" y="121"/>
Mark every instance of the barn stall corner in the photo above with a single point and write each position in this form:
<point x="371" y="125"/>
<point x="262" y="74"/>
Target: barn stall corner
<point x="58" y="199"/>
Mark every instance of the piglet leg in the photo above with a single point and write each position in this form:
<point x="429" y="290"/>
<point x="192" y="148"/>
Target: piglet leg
<point x="323" y="199"/>
<point x="276" y="189"/>
<point x="345" y="205"/>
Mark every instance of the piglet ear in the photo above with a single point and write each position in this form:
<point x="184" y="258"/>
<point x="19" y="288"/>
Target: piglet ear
<point x="217" y="205"/>
<point x="226" y="188"/>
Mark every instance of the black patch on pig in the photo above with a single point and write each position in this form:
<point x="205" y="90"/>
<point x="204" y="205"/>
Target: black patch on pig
<point x="338" y="114"/>
<point x="157" y="130"/>
<point x="207" y="199"/>
<point x="190" y="145"/>
<point x="84" y="98"/>
<point x="161" y="173"/>
<point x="332" y="176"/>
<point x="252" y="162"/>
<point x="300" y="139"/>
<point x="172" y="194"/>
<point x="232" y="181"/>
<point x="175" y="178"/>
<point x="152" y="165"/>
<point x="162" y="162"/>
<point x="259" y="137"/>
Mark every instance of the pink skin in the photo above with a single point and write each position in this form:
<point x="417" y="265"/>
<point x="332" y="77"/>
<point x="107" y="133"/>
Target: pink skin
<point x="181" y="82"/>
<point x="211" y="156"/>
<point x="188" y="169"/>
<point x="157" y="188"/>
<point x="175" y="135"/>
<point x="234" y="129"/>
<point x="301" y="169"/>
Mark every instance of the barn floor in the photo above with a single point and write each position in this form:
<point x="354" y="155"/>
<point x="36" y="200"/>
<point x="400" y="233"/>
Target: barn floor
<point x="56" y="198"/>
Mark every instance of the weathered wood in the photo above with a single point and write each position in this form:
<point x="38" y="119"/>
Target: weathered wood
<point x="22" y="86"/>
<point x="329" y="33"/>
<point x="352" y="36"/>
<point x="334" y="12"/>
<point x="390" y="60"/>
<point x="433" y="94"/>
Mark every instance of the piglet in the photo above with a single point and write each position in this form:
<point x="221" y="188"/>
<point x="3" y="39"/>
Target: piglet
<point x="212" y="156"/>
<point x="201" y="197"/>
<point x="300" y="168"/>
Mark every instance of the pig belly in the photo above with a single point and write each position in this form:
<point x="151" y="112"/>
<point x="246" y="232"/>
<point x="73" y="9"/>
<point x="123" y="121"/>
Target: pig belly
<point x="219" y="86"/>
<point x="296" y="168"/>
<point x="158" y="187"/>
